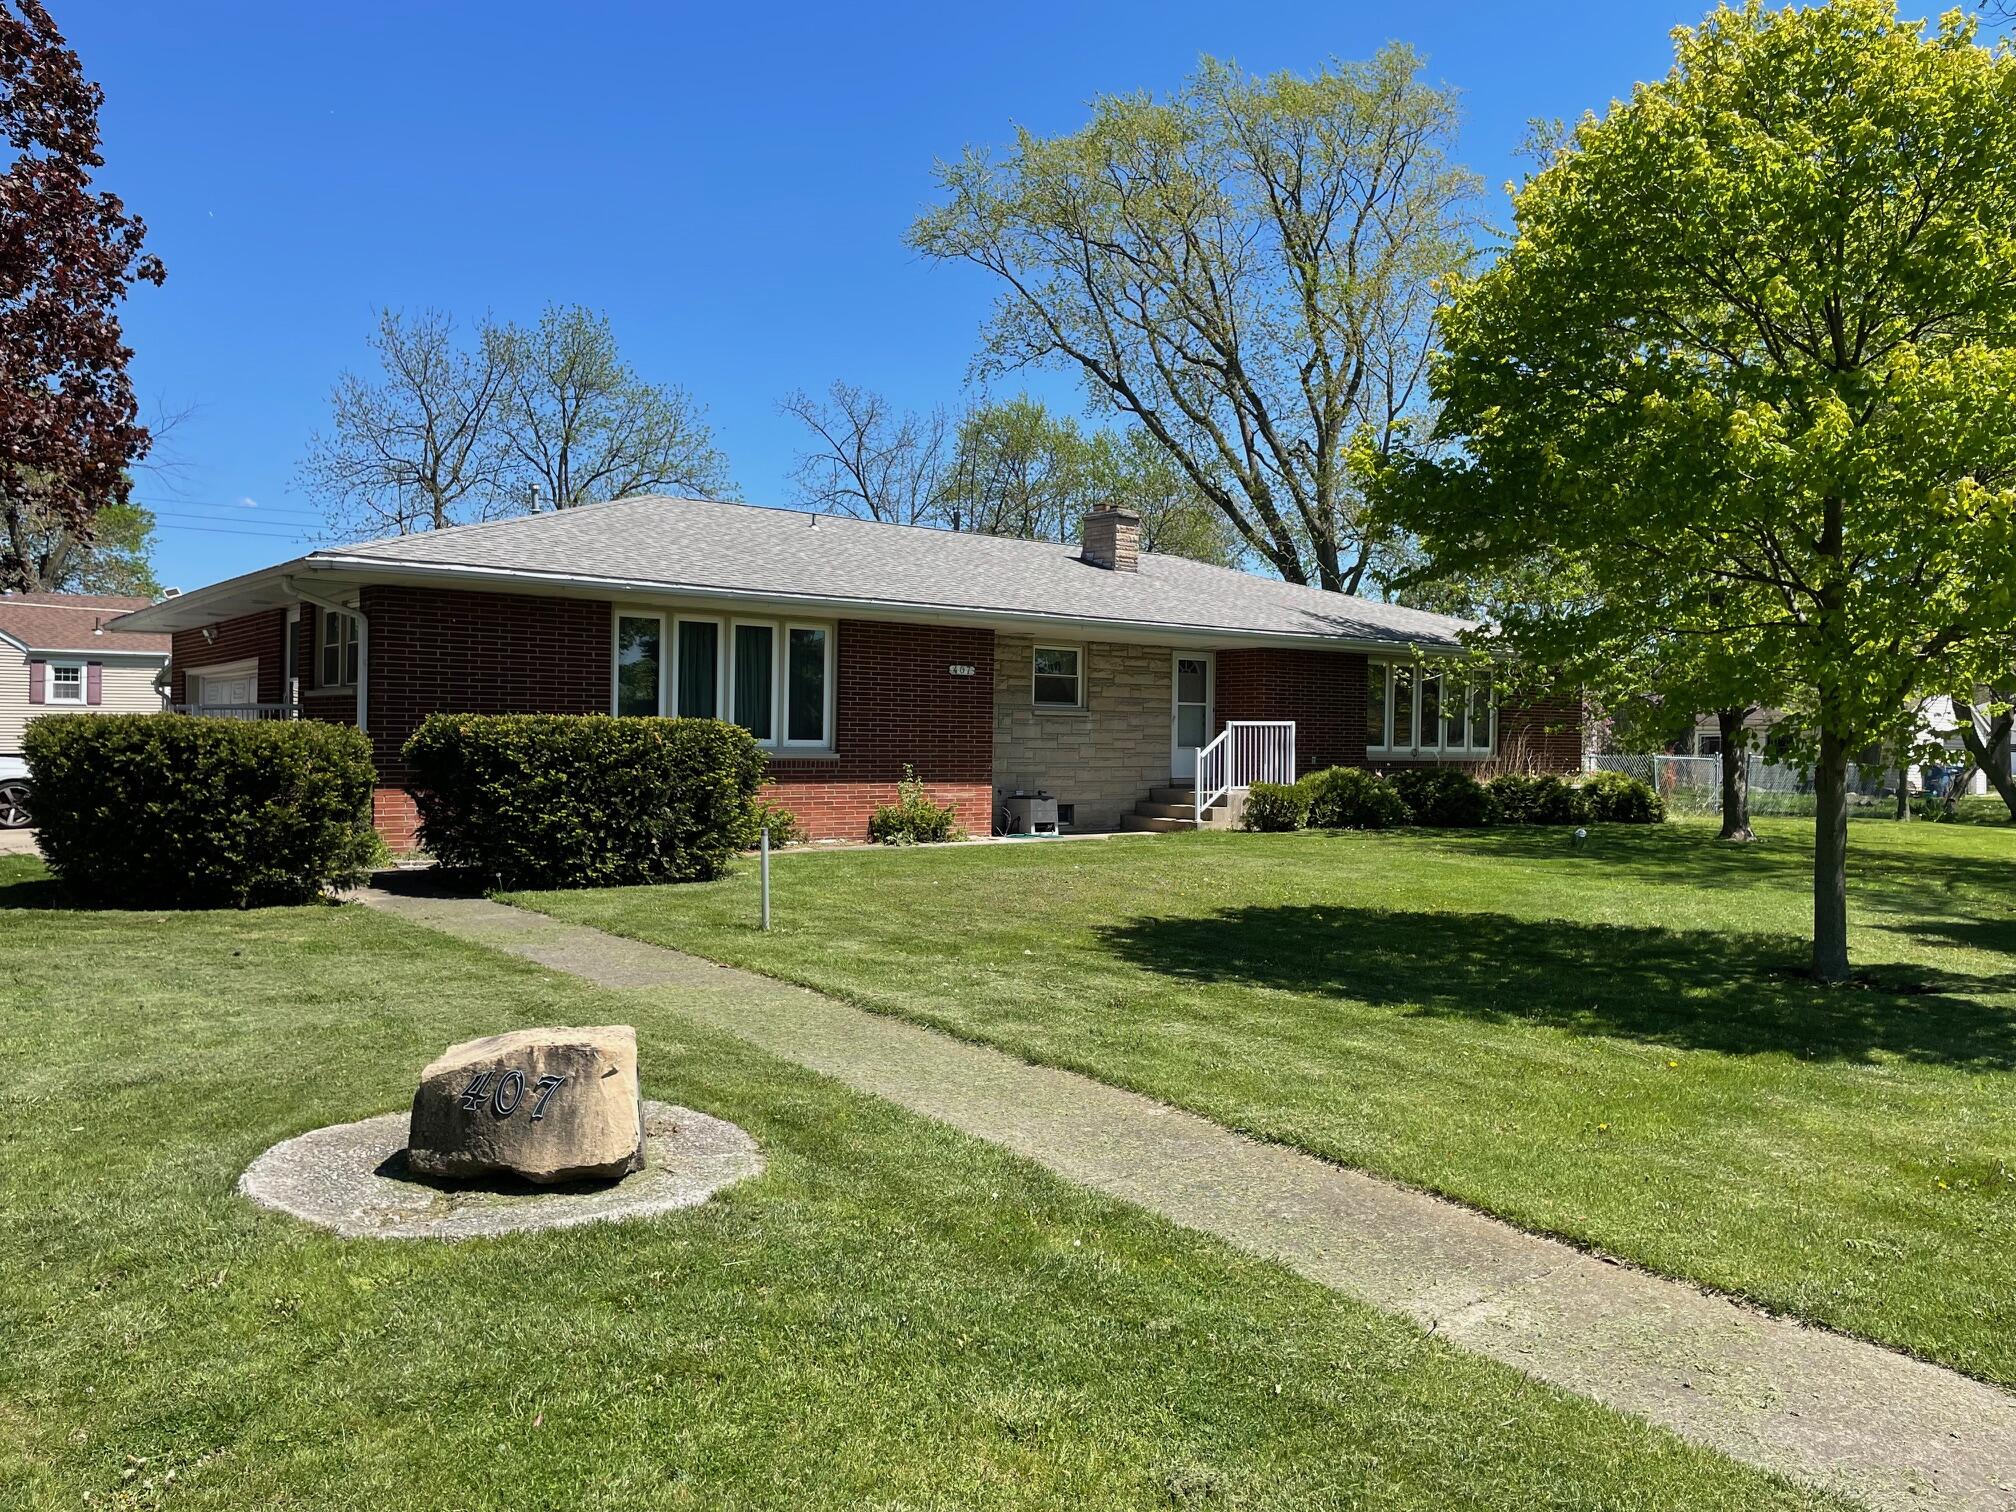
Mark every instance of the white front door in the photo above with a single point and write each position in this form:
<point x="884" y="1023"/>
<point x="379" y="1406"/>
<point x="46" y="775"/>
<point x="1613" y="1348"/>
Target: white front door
<point x="1190" y="719"/>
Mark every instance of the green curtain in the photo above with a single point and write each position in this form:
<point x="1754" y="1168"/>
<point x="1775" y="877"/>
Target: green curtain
<point x="755" y="666"/>
<point x="699" y="663"/>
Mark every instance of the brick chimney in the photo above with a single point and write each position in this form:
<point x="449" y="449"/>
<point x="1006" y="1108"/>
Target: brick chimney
<point x="1112" y="540"/>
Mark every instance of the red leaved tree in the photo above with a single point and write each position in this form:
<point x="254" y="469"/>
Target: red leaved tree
<point x="69" y="427"/>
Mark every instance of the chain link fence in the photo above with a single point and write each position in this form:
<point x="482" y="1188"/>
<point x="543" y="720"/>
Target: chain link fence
<point x="1693" y="784"/>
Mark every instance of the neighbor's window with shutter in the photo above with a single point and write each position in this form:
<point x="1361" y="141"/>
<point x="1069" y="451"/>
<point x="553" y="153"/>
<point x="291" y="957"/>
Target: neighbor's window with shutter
<point x="338" y="651"/>
<point x="66" y="682"/>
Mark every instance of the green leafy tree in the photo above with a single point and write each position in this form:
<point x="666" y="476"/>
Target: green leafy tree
<point x="1248" y="270"/>
<point x="1748" y="364"/>
<point x="117" y="558"/>
<point x="579" y="425"/>
<point x="1017" y="470"/>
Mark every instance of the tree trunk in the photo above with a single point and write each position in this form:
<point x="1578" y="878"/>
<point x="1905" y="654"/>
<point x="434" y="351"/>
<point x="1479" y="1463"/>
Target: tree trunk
<point x="1830" y="859"/>
<point x="1735" y="775"/>
<point x="1991" y="755"/>
<point x="1903" y="794"/>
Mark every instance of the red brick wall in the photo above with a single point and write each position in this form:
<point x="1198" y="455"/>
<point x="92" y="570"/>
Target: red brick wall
<point x="1543" y="734"/>
<point x="1322" y="691"/>
<point x="263" y="635"/>
<point x="429" y="651"/>
<point x="895" y="701"/>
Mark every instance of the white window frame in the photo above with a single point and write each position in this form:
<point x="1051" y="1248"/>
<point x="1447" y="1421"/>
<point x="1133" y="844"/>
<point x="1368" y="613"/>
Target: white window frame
<point x="826" y="734"/>
<point x="1077" y="677"/>
<point x="323" y="647"/>
<point x="616" y="659"/>
<point x="83" y="672"/>
<point x="670" y="618"/>
<point x="777" y="634"/>
<point x="1414" y="745"/>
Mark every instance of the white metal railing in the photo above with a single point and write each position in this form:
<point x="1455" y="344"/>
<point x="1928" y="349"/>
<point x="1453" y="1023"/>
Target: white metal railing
<point x="1246" y="751"/>
<point x="239" y="711"/>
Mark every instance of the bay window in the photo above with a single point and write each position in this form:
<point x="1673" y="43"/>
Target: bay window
<point x="772" y="678"/>
<point x="1424" y="710"/>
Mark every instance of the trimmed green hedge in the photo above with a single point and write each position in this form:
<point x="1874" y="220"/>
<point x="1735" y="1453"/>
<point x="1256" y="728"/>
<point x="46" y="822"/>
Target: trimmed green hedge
<point x="1528" y="798"/>
<point x="1352" y="798"/>
<point x="171" y="811"/>
<point x="1617" y="798"/>
<point x="1275" y="807"/>
<point x="584" y="800"/>
<point x="1443" y="797"/>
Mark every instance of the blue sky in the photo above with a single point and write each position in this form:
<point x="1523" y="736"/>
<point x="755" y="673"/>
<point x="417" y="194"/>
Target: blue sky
<point x="731" y="183"/>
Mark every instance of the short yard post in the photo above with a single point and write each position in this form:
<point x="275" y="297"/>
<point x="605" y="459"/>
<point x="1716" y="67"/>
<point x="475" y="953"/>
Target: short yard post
<point x="766" y="876"/>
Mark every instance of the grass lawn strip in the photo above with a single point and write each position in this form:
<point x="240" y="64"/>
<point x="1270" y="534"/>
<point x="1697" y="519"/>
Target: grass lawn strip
<point x="892" y="1314"/>
<point x="1613" y="1044"/>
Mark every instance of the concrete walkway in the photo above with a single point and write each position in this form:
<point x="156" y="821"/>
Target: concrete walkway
<point x="1832" y="1412"/>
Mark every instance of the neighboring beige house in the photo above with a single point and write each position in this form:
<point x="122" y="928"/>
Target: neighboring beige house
<point x="57" y="656"/>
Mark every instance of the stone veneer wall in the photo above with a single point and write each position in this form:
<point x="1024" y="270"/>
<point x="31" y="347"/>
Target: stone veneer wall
<point x="1101" y="759"/>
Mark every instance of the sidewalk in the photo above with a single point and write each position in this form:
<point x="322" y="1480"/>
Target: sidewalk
<point x="1820" y="1408"/>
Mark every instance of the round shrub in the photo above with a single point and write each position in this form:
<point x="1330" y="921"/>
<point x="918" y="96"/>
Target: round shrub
<point x="1616" y="798"/>
<point x="1272" y="807"/>
<point x="172" y="811"/>
<point x="1352" y="798"/>
<point x="913" y="819"/>
<point x="1443" y="797"/>
<point x="584" y="800"/>
<point x="1542" y="798"/>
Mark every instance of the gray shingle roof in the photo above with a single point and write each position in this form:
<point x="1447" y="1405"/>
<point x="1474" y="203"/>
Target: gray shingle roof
<point x="687" y="543"/>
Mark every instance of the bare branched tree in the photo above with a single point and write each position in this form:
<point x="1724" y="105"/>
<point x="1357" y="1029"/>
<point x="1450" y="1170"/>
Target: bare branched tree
<point x="869" y="459"/>
<point x="415" y="446"/>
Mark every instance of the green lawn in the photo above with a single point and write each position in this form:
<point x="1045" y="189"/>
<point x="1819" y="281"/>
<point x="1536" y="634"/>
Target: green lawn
<point x="1615" y="1043"/>
<point x="892" y="1315"/>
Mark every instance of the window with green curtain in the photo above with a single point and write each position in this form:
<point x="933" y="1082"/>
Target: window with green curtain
<point x="699" y="669"/>
<point x="805" y="686"/>
<point x="1375" y="705"/>
<point x="637" y="663"/>
<point x="755" y="670"/>
<point x="1403" y="708"/>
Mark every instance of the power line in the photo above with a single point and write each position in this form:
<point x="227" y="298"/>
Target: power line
<point x="249" y="511"/>
<point x="270" y="535"/>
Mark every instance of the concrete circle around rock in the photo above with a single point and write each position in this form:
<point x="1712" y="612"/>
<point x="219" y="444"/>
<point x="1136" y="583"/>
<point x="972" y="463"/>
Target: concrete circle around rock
<point x="353" y="1178"/>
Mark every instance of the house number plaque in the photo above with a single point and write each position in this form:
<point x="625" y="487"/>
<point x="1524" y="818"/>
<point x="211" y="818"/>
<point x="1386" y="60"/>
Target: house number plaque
<point x="504" y="1091"/>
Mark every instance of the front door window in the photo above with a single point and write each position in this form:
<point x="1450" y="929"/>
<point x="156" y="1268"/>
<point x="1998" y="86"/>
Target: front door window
<point x="1193" y="712"/>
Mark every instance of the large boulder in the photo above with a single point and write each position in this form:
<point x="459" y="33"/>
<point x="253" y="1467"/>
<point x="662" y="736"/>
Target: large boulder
<point x="549" y="1105"/>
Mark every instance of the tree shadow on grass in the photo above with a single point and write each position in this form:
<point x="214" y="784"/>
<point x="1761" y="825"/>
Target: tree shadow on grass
<point x="1692" y="856"/>
<point x="1731" y="993"/>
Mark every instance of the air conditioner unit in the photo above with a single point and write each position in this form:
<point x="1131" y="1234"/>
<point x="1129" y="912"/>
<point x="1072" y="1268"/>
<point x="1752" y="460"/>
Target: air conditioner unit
<point x="1028" y="814"/>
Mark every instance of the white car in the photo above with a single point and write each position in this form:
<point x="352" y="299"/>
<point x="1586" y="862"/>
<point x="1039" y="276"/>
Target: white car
<point x="13" y="793"/>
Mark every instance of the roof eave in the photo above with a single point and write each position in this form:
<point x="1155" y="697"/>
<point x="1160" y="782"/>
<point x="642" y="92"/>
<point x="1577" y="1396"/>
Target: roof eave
<point x="526" y="579"/>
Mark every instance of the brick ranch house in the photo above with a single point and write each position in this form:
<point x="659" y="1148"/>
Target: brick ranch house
<point x="849" y="648"/>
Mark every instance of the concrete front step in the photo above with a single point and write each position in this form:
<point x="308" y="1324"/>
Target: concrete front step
<point x="1154" y="823"/>
<point x="1186" y="796"/>
<point x="1167" y="810"/>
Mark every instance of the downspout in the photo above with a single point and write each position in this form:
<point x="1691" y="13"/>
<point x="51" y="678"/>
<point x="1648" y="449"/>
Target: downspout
<point x="293" y="589"/>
